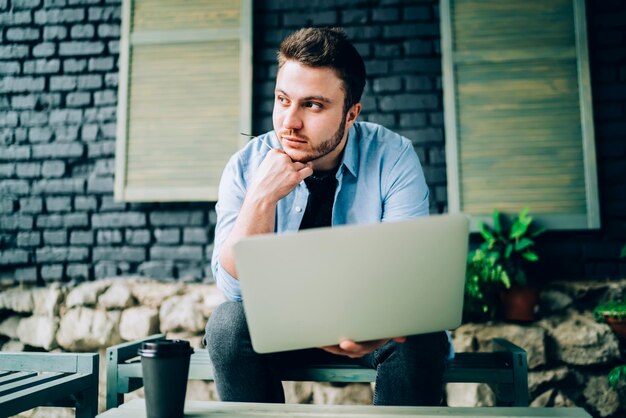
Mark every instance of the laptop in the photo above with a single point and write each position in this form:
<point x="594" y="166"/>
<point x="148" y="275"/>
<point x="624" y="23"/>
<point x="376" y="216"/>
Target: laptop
<point x="363" y="282"/>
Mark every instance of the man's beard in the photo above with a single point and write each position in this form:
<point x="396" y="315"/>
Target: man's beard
<point x="327" y="146"/>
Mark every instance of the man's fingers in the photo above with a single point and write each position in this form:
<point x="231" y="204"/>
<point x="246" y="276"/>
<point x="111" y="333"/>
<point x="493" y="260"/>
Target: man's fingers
<point x="306" y="171"/>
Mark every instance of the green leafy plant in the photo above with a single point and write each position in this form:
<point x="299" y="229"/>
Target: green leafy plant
<point x="611" y="309"/>
<point x="623" y="252"/>
<point x="616" y="375"/>
<point x="484" y="278"/>
<point x="511" y="243"/>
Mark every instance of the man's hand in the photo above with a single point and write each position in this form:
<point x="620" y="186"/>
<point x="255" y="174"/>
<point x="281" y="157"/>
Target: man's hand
<point x="277" y="176"/>
<point x="356" y="350"/>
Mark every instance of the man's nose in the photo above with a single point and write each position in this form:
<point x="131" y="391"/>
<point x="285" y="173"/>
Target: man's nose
<point x="292" y="119"/>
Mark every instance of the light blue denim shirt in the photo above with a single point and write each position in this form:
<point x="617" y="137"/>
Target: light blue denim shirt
<point x="380" y="179"/>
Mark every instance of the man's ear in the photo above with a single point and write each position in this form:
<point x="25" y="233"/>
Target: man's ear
<point x="353" y="113"/>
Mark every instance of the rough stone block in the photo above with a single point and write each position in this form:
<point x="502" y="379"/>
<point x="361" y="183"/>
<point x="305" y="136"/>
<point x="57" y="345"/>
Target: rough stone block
<point x="167" y="236"/>
<point x="15" y="152"/>
<point x="26" y="274"/>
<point x="117" y="296"/>
<point x="59" y="186"/>
<point x="85" y="329"/>
<point x="14" y="187"/>
<point x="28" y="101"/>
<point x="104" y="14"/>
<point x="21" y="84"/>
<point x="21" y="34"/>
<point x="61" y="254"/>
<point x="82" y="31"/>
<point x="81" y="238"/>
<point x="100" y="184"/>
<point x="79" y="48"/>
<point x="58" y="150"/>
<point x="54" y="237"/>
<point x="73" y="65"/>
<point x="109" y="236"/>
<point x="85" y="203"/>
<point x="78" y="99"/>
<point x="38" y="331"/>
<point x="31" y="205"/>
<point x="137" y="236"/>
<point x="182" y="218"/>
<point x="195" y="236"/>
<point x="15" y="222"/>
<point x="105" y="97"/>
<point x="13" y="51"/>
<point x="105" y="166"/>
<point x="101" y="64"/>
<point x="65" y="116"/>
<point x="108" y="204"/>
<point x="28" y="239"/>
<point x="53" y="168"/>
<point x="66" y="15"/>
<point x="183" y="252"/>
<point x="30" y="118"/>
<point x="7" y="205"/>
<point x="76" y="271"/>
<point x="59" y="204"/>
<point x="139" y="322"/>
<point x="66" y="133"/>
<point x="106" y="269"/>
<point x="13" y="257"/>
<point x="109" y="31"/>
<point x="7" y="170"/>
<point x="126" y="253"/>
<point x="50" y="272"/>
<point x="118" y="220"/>
<point x="54" y="33"/>
<point x="39" y="134"/>
<point x="111" y="80"/>
<point x="44" y="49"/>
<point x="28" y="170"/>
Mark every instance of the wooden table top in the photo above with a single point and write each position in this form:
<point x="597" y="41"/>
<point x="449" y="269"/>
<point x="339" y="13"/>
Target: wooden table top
<point x="205" y="409"/>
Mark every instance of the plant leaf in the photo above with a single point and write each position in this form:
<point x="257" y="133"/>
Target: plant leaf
<point x="530" y="256"/>
<point x="485" y="232"/>
<point x="523" y="243"/>
<point x="623" y="253"/>
<point x="508" y="250"/>
<point x="497" y="225"/>
<point x="537" y="232"/>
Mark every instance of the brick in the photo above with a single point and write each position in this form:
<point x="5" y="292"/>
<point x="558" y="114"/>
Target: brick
<point x="417" y="83"/>
<point x="22" y="34"/>
<point x="125" y="253"/>
<point x="42" y="66"/>
<point x="89" y="82"/>
<point x="52" y="272"/>
<point x="66" y="133"/>
<point x="105" y="97"/>
<point x="31" y="205"/>
<point x="400" y="102"/>
<point x="352" y="16"/>
<point x="101" y="64"/>
<point x="8" y="119"/>
<point x="195" y="236"/>
<point x="363" y="33"/>
<point x="109" y="130"/>
<point x="412" y="120"/>
<point x="109" y="31"/>
<point x="104" y="14"/>
<point x="161" y="270"/>
<point x="60" y="254"/>
<point x="419" y="136"/>
<point x="137" y="236"/>
<point x="44" y="49"/>
<point x="63" y="83"/>
<point x="77" y="271"/>
<point x="417" y="65"/>
<point x="100" y="184"/>
<point x="13" y="51"/>
<point x="14" y="187"/>
<point x="82" y="31"/>
<point x="73" y="65"/>
<point x="77" y="48"/>
<point x="28" y="239"/>
<point x="417" y="47"/>
<point x="54" y="33"/>
<point x="25" y="4"/>
<point x="53" y="169"/>
<point x="58" y="150"/>
<point x="20" y="135"/>
<point x="13" y="257"/>
<point x="15" y="222"/>
<point x="81" y="238"/>
<point x="411" y="30"/>
<point x="387" y="50"/>
<point x="54" y="3"/>
<point x="59" y="186"/>
<point x="101" y="149"/>
<point x="167" y="236"/>
<point x="59" y="204"/>
<point x="7" y="170"/>
<point x="109" y="236"/>
<point x="376" y="67"/>
<point x="7" y="136"/>
<point x="30" y="118"/>
<point x="78" y="99"/>
<point x="111" y="80"/>
<point x="181" y="253"/>
<point x="26" y="274"/>
<point x="83" y="2"/>
<point x="28" y="170"/>
<point x="55" y="237"/>
<point x="66" y="15"/>
<point x="9" y="67"/>
<point x="436" y="119"/>
<point x="387" y="84"/>
<point x="385" y="15"/>
<point x="182" y="218"/>
<point x="416" y="13"/>
<point x="118" y="220"/>
<point x="85" y="203"/>
<point x="21" y="84"/>
<point x="437" y="156"/>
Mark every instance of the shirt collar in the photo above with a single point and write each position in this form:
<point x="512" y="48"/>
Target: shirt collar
<point x="351" y="153"/>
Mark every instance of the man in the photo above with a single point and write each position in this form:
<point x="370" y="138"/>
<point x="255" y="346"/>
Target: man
<point x="319" y="167"/>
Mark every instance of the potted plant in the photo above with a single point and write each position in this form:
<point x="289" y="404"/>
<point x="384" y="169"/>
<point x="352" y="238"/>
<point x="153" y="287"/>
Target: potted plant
<point x="613" y="313"/>
<point x="484" y="279"/>
<point x="512" y="243"/>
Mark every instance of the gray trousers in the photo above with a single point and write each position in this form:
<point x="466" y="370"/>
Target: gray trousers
<point x="408" y="373"/>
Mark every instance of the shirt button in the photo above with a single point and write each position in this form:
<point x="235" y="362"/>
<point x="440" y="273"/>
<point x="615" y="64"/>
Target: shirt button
<point x="298" y="209"/>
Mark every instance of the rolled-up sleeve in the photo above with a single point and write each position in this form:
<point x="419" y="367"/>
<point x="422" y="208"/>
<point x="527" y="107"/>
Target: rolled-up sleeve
<point x="230" y="198"/>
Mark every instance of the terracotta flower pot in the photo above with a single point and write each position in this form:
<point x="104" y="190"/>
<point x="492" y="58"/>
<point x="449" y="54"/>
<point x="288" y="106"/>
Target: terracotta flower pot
<point x="618" y="325"/>
<point x="520" y="304"/>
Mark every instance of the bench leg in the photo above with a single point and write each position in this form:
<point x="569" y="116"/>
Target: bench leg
<point x="87" y="406"/>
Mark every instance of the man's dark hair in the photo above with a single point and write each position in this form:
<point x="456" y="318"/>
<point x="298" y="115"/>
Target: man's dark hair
<point x="327" y="47"/>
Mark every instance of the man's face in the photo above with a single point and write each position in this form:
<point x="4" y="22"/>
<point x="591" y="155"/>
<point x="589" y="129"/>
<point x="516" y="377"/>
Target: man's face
<point x="308" y="117"/>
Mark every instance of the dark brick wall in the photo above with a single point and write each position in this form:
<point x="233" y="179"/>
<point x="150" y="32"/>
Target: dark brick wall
<point x="58" y="93"/>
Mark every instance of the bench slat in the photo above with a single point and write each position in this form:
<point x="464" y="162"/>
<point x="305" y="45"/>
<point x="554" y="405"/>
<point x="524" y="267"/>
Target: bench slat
<point x="15" y="376"/>
<point x="63" y="362"/>
<point x="9" y="388"/>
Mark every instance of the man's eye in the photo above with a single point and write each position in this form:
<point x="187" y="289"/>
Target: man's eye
<point x="313" y="105"/>
<point x="282" y="100"/>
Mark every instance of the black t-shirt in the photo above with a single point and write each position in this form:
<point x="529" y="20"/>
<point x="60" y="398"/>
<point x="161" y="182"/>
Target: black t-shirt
<point x="319" y="206"/>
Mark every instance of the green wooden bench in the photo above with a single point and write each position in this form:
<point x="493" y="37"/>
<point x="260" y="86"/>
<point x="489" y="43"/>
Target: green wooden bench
<point x="504" y="369"/>
<point x="29" y="380"/>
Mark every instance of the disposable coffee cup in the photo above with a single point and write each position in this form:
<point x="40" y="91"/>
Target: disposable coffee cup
<point x="165" y="366"/>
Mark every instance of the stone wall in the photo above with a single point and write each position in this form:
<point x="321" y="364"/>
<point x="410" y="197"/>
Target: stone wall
<point x="569" y="354"/>
<point x="58" y="97"/>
